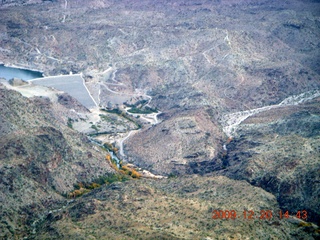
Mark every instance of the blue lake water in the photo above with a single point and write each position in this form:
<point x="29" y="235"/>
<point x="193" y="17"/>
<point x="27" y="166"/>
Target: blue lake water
<point x="24" y="74"/>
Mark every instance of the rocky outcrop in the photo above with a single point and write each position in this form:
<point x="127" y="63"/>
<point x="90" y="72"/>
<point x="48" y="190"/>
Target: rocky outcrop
<point x="40" y="160"/>
<point x="17" y="82"/>
<point x="71" y="103"/>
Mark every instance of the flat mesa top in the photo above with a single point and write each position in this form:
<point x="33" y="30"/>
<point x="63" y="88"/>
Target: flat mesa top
<point x="71" y="84"/>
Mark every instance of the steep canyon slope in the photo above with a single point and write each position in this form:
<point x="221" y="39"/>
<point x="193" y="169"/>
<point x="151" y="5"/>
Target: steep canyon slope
<point x="41" y="159"/>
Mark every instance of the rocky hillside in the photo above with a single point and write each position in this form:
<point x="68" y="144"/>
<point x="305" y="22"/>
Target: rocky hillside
<point x="196" y="62"/>
<point x="5" y="3"/>
<point x="213" y="56"/>
<point x="278" y="150"/>
<point x="175" y="208"/>
<point x="40" y="159"/>
<point x="179" y="140"/>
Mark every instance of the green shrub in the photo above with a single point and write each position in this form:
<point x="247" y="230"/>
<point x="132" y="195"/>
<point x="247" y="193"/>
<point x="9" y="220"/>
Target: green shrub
<point x="94" y="127"/>
<point x="69" y="123"/>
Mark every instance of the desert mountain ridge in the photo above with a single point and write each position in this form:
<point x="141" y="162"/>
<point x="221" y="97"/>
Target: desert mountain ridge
<point x="224" y="101"/>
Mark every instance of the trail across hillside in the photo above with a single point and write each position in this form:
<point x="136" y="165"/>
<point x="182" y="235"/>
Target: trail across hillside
<point x="151" y="118"/>
<point x="231" y="122"/>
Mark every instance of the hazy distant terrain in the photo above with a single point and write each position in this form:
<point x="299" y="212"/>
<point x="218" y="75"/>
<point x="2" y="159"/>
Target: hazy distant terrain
<point x="197" y="63"/>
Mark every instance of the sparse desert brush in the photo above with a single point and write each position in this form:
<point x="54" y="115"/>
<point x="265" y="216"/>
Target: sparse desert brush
<point x="130" y="171"/>
<point x="108" y="157"/>
<point x="82" y="188"/>
<point x="135" y="174"/>
<point x="114" y="165"/>
<point x="112" y="161"/>
<point x="108" y="146"/>
<point x="304" y="224"/>
<point x="111" y="178"/>
<point x="125" y="169"/>
<point x="78" y="185"/>
<point x="77" y="193"/>
<point x="93" y="185"/>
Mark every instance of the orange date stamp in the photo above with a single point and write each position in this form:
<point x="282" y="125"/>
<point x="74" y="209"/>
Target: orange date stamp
<point x="262" y="214"/>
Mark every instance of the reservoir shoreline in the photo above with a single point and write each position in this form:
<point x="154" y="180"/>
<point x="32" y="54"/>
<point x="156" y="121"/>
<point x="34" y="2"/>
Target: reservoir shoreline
<point x="20" y="67"/>
<point x="13" y="71"/>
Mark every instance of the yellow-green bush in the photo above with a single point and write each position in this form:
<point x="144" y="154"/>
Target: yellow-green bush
<point x="130" y="171"/>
